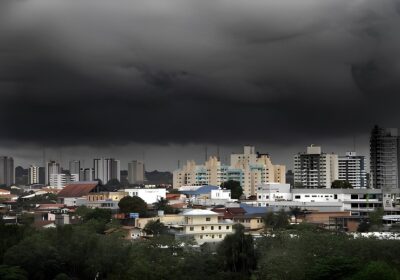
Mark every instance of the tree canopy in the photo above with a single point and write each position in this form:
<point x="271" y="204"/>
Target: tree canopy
<point x="234" y="186"/>
<point x="133" y="204"/>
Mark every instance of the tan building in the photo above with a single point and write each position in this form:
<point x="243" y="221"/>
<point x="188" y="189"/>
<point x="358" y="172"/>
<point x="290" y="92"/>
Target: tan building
<point x="204" y="226"/>
<point x="249" y="168"/>
<point x="114" y="196"/>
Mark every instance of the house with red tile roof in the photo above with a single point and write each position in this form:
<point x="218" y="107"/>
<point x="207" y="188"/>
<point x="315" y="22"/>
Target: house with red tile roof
<point x="70" y="193"/>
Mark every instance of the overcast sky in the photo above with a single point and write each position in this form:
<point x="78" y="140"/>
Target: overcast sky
<point x="161" y="79"/>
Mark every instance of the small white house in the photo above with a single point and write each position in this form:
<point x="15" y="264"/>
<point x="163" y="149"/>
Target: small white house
<point x="221" y="194"/>
<point x="148" y="195"/>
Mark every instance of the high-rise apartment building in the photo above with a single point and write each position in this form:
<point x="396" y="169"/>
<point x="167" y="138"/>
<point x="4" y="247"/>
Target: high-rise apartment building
<point x="52" y="167"/>
<point x="249" y="168"/>
<point x="75" y="167"/>
<point x="352" y="169"/>
<point x="384" y="153"/>
<point x="315" y="169"/>
<point x="106" y="169"/>
<point x="86" y="174"/>
<point x="7" y="176"/>
<point x="33" y="175"/>
<point x="136" y="171"/>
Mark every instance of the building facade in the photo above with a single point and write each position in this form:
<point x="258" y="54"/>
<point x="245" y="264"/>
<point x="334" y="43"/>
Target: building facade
<point x="136" y="171"/>
<point x="106" y="169"/>
<point x="249" y="168"/>
<point x="315" y="169"/>
<point x="384" y="164"/>
<point x="7" y="175"/>
<point x="75" y="168"/>
<point x="52" y="168"/>
<point x="33" y="175"/>
<point x="352" y="169"/>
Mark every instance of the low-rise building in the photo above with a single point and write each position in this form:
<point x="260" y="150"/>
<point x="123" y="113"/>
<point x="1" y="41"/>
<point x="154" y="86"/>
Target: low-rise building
<point x="204" y="226"/>
<point x="150" y="196"/>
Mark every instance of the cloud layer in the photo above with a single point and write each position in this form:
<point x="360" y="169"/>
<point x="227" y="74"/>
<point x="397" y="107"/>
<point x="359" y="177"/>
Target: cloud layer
<point x="97" y="72"/>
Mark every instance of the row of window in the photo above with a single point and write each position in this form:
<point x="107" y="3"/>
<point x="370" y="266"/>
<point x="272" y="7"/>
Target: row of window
<point x="212" y="228"/>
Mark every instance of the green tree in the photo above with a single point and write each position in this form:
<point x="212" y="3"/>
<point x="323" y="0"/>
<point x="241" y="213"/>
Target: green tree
<point x="341" y="184"/>
<point x="162" y="204"/>
<point x="375" y="218"/>
<point x="377" y="270"/>
<point x="155" y="227"/>
<point x="363" y="226"/>
<point x="133" y="204"/>
<point x="234" y="186"/>
<point x="237" y="252"/>
<point x="12" y="273"/>
<point x="275" y="221"/>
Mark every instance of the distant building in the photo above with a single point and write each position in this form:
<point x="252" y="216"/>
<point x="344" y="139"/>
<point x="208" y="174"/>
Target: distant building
<point x="352" y="169"/>
<point x="136" y="171"/>
<point x="86" y="174"/>
<point x="384" y="153"/>
<point x="75" y="168"/>
<point x="7" y="171"/>
<point x="249" y="169"/>
<point x="290" y="178"/>
<point x="33" y="175"/>
<point x="315" y="169"/>
<point x="52" y="168"/>
<point x="106" y="169"/>
<point x="61" y="180"/>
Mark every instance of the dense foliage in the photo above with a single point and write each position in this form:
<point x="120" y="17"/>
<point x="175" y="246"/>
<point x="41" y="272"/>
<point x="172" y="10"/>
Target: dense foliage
<point x="235" y="187"/>
<point x="81" y="252"/>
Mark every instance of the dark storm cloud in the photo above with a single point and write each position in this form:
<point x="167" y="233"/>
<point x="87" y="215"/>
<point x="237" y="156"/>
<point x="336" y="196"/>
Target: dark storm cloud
<point x="178" y="71"/>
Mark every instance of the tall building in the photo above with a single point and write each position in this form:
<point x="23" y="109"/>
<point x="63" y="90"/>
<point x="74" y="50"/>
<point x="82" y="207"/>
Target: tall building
<point x="106" y="169"/>
<point x="249" y="168"/>
<point x="384" y="153"/>
<point x="7" y="176"/>
<point x="61" y="180"/>
<point x="352" y="169"/>
<point x="75" y="167"/>
<point x="86" y="174"/>
<point x="52" y="167"/>
<point x="33" y="175"/>
<point x="136" y="171"/>
<point x="315" y="169"/>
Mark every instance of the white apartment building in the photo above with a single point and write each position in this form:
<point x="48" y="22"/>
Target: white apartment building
<point x="315" y="169"/>
<point x="33" y="175"/>
<point x="352" y="169"/>
<point x="61" y="180"/>
<point x="204" y="226"/>
<point x="52" y="167"/>
<point x="249" y="168"/>
<point x="148" y="195"/>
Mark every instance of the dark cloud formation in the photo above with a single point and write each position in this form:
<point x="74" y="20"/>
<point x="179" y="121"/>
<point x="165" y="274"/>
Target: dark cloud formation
<point x="99" y="72"/>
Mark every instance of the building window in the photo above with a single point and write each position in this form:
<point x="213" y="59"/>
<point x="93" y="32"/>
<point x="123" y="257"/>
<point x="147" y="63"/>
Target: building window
<point x="212" y="227"/>
<point x="201" y="236"/>
<point x="227" y="227"/>
<point x="202" y="228"/>
<point x="220" y="236"/>
<point x="297" y="196"/>
<point x="208" y="219"/>
<point x="219" y="227"/>
<point x="213" y="236"/>
<point x="191" y="228"/>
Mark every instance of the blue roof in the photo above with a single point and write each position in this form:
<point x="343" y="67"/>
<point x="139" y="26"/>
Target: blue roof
<point x="202" y="190"/>
<point x="255" y="209"/>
